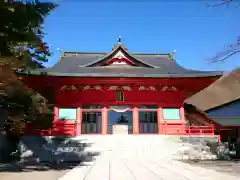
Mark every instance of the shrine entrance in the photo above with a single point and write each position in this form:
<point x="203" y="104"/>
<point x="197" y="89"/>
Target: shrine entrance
<point x="120" y="120"/>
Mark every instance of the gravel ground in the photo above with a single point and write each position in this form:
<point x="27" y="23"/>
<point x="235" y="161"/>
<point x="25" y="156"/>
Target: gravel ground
<point x="35" y="171"/>
<point x="229" y="167"/>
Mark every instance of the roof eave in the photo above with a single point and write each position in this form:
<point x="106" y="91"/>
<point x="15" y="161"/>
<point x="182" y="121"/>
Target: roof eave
<point x="43" y="73"/>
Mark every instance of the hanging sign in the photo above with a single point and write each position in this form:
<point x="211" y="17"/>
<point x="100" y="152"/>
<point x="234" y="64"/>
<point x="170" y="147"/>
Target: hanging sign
<point x="120" y="96"/>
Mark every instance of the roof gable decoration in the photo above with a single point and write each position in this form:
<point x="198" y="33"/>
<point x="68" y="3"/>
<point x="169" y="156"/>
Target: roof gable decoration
<point x="120" y="59"/>
<point x="119" y="55"/>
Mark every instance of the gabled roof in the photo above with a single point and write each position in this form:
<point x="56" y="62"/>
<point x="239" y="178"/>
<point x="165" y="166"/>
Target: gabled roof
<point x="226" y="89"/>
<point x="119" y="48"/>
<point x="84" y="64"/>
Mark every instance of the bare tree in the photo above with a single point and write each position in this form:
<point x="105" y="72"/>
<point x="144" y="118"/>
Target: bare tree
<point x="233" y="48"/>
<point x="228" y="52"/>
<point x="221" y="3"/>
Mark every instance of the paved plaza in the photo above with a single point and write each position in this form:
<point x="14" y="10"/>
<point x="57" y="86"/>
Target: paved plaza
<point x="131" y="158"/>
<point x="109" y="167"/>
<point x="142" y="168"/>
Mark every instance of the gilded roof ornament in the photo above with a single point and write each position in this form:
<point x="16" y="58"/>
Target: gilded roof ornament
<point x="119" y="40"/>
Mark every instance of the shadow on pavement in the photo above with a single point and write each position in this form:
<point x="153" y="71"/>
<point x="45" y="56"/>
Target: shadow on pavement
<point x="38" y="153"/>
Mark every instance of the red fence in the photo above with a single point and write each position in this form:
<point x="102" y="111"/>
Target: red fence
<point x="56" y="130"/>
<point x="168" y="129"/>
<point x="187" y="130"/>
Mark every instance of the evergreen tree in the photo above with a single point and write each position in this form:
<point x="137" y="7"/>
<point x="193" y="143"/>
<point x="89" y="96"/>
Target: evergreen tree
<point x="21" y="32"/>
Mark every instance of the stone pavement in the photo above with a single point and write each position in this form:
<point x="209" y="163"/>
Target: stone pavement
<point x="128" y="158"/>
<point x="142" y="168"/>
<point x="112" y="167"/>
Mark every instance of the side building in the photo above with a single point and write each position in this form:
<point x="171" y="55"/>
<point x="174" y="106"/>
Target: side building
<point x="221" y="102"/>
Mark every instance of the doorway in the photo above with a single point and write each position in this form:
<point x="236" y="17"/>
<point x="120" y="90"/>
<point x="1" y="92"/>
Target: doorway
<point x="91" y="119"/>
<point x="120" y="120"/>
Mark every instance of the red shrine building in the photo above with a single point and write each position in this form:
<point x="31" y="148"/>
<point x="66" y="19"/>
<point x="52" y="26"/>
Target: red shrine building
<point x="96" y="92"/>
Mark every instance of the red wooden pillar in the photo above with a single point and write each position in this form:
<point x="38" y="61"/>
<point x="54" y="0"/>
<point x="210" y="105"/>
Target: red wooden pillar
<point x="182" y="115"/>
<point x="55" y="120"/>
<point x="135" y="122"/>
<point x="55" y="112"/>
<point x="183" y="122"/>
<point x="104" y="120"/>
<point x="79" y="121"/>
<point x="160" y="120"/>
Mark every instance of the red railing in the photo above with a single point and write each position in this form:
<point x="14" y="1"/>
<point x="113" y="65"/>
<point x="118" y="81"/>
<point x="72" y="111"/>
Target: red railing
<point x="187" y="130"/>
<point x="69" y="129"/>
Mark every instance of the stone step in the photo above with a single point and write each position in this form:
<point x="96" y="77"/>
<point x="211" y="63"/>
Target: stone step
<point x="89" y="146"/>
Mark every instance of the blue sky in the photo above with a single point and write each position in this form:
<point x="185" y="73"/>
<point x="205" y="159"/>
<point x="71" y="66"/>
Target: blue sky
<point x="188" y="26"/>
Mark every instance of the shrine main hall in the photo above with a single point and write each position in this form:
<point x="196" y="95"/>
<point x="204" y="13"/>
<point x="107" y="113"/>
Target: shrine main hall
<point x="118" y="92"/>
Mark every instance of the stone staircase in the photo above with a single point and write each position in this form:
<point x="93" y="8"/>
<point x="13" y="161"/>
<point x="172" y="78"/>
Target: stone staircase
<point x="130" y="145"/>
<point x="89" y="147"/>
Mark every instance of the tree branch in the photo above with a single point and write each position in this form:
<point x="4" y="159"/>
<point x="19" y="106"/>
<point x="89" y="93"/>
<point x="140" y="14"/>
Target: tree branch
<point x="224" y="2"/>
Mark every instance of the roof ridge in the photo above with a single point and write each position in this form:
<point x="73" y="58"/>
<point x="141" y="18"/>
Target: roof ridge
<point x="103" y="53"/>
<point x="150" y="53"/>
<point x="74" y="53"/>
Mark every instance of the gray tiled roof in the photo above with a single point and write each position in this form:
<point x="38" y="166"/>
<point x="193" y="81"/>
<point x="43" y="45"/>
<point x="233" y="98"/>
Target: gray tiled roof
<point x="157" y="65"/>
<point x="125" y="72"/>
<point x="227" y="121"/>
